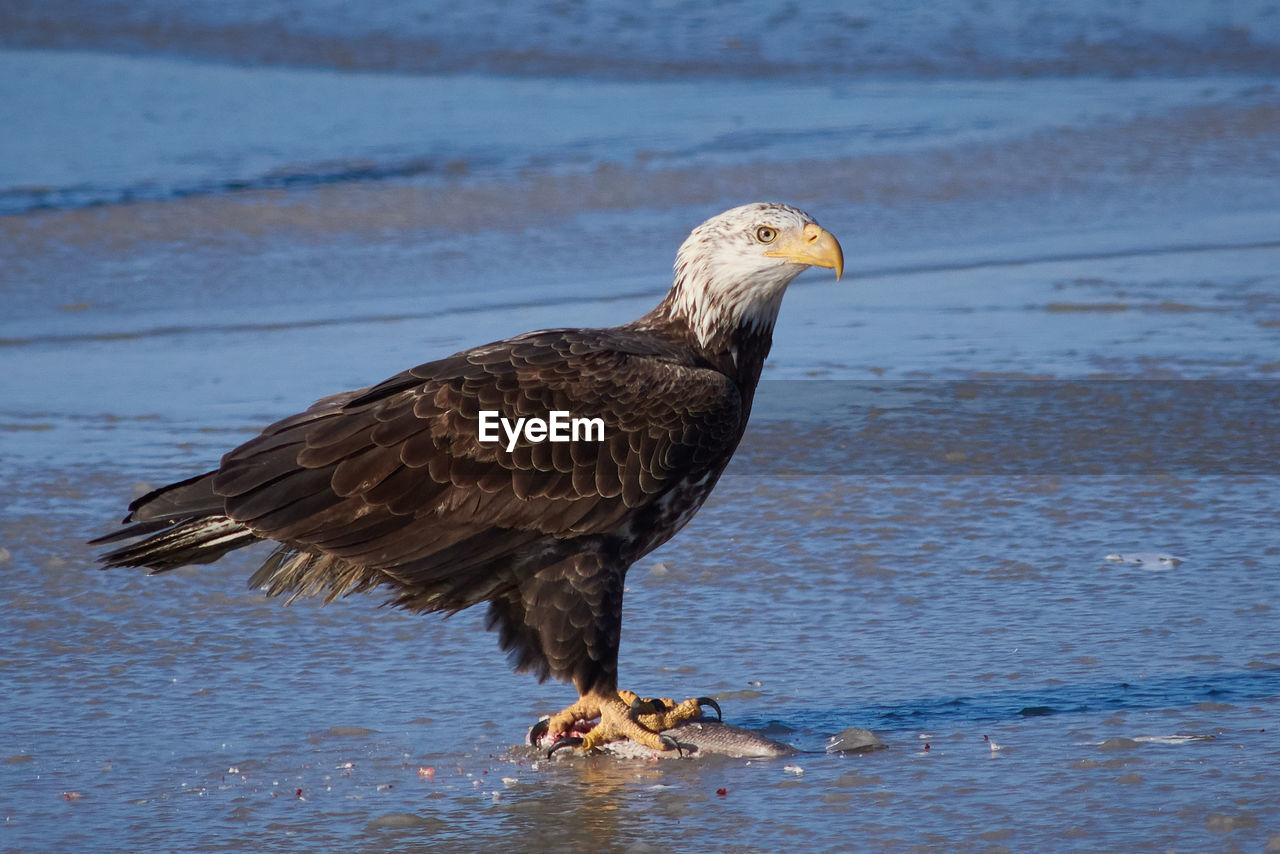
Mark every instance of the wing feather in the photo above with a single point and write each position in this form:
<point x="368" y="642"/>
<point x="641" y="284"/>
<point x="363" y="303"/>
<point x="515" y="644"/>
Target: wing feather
<point x="280" y="498"/>
<point x="364" y="470"/>
<point x="608" y="480"/>
<point x="395" y="477"/>
<point x="247" y="474"/>
<point x="338" y="447"/>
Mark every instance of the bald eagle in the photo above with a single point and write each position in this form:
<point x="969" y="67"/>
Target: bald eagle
<point x="399" y="486"/>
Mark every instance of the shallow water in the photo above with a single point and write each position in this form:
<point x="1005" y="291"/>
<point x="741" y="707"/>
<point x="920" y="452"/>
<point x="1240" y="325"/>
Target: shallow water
<point x="1058" y="344"/>
<point x="1129" y="707"/>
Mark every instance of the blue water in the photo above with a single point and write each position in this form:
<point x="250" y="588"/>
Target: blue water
<point x="966" y="38"/>
<point x="1056" y="343"/>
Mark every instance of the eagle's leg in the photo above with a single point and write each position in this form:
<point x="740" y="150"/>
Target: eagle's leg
<point x="565" y="620"/>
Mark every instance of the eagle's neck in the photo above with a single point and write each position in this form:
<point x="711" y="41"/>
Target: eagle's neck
<point x="719" y="299"/>
<point x="733" y="338"/>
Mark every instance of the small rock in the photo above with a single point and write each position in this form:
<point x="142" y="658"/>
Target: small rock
<point x="1223" y="823"/>
<point x="403" y="820"/>
<point x="855" y="740"/>
<point x="1119" y="744"/>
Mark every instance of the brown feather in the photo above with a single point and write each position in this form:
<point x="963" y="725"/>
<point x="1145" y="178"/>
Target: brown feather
<point x="390" y="486"/>
<point x="364" y="470"/>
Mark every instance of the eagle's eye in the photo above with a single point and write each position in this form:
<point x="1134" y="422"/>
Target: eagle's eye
<point x="766" y="234"/>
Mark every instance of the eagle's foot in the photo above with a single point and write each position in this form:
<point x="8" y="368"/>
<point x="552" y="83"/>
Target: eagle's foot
<point x="658" y="714"/>
<point x="623" y="715"/>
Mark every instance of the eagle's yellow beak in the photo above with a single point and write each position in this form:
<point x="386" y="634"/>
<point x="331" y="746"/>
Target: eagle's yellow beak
<point x="813" y="246"/>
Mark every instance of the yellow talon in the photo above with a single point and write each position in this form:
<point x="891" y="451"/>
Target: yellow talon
<point x="625" y="715"/>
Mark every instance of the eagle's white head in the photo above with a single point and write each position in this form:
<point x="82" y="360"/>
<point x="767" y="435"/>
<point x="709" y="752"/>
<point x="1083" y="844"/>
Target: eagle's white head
<point x="733" y="270"/>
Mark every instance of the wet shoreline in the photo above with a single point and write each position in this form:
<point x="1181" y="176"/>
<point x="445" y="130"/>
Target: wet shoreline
<point x="1056" y="346"/>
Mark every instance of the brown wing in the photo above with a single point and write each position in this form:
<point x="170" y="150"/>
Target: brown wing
<point x="395" y="478"/>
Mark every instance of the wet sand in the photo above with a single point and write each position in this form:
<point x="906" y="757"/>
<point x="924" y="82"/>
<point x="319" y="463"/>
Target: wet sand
<point x="1058" y="344"/>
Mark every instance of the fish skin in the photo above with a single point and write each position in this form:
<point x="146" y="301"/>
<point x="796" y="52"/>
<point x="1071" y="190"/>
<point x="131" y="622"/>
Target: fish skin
<point x="701" y="738"/>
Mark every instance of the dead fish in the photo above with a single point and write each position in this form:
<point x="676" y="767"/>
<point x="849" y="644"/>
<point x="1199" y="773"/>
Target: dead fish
<point x="699" y="738"/>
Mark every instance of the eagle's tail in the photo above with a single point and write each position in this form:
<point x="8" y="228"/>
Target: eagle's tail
<point x="186" y="523"/>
